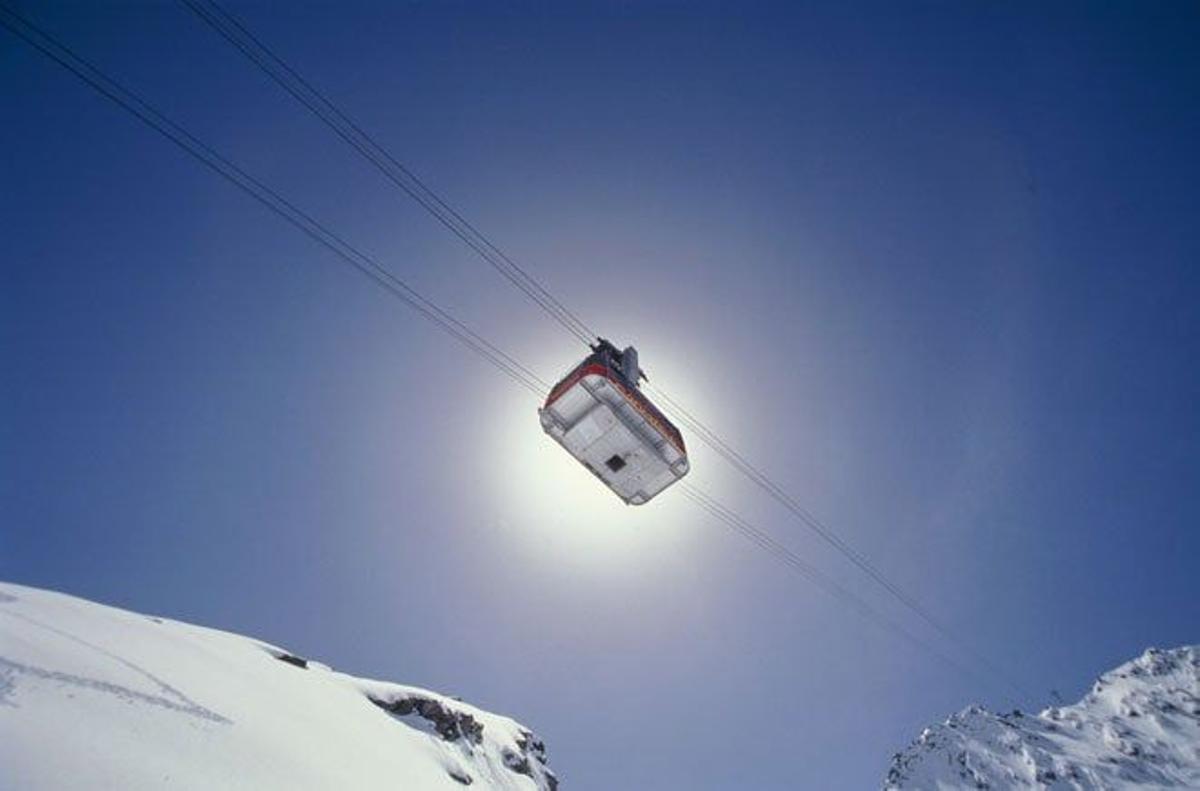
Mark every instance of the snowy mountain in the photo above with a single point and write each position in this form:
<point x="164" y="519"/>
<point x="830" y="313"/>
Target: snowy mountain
<point x="1139" y="727"/>
<point x="101" y="698"/>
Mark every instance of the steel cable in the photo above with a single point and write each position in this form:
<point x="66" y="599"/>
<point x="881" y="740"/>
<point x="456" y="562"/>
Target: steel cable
<point x="352" y="133"/>
<point x="479" y="345"/>
<point x="362" y="262"/>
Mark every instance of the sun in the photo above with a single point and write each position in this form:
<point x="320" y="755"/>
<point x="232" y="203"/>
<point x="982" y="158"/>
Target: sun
<point x="562" y="512"/>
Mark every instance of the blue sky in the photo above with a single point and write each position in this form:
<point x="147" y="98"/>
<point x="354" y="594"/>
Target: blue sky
<point x="933" y="267"/>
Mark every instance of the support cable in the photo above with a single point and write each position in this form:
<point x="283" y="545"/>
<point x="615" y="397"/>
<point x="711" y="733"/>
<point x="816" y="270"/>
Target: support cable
<point x="352" y="133"/>
<point x="506" y="364"/>
<point x="351" y="255"/>
<point x="860" y="561"/>
<point x="808" y="571"/>
<point x="239" y="35"/>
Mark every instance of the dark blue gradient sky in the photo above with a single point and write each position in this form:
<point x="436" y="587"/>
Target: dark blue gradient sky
<point x="934" y="266"/>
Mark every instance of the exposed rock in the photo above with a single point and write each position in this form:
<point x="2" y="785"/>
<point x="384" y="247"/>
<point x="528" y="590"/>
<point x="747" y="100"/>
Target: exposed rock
<point x="450" y="723"/>
<point x="292" y="659"/>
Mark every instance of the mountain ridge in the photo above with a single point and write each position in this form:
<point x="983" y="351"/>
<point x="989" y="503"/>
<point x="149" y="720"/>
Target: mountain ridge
<point x="100" y="697"/>
<point x="1138" y="727"/>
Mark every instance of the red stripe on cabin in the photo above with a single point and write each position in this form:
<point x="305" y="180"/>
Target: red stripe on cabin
<point x="639" y="401"/>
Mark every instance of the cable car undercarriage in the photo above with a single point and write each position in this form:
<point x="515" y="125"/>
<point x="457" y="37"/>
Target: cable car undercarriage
<point x="599" y="414"/>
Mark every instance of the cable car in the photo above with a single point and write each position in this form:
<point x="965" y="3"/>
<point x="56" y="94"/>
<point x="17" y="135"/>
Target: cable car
<point x="600" y="415"/>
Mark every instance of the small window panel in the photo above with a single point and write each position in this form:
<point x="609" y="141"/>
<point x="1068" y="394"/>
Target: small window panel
<point x="615" y="463"/>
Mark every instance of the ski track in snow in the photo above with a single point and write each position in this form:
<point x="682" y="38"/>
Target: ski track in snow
<point x="83" y="682"/>
<point x="98" y="697"/>
<point x="170" y="699"/>
<point x="7" y="685"/>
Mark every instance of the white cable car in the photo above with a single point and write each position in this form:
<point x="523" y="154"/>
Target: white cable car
<point x="599" y="414"/>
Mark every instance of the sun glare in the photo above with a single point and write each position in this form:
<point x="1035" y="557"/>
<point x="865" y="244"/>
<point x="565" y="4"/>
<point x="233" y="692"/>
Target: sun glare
<point x="562" y="510"/>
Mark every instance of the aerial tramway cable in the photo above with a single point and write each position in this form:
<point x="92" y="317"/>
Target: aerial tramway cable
<point x="860" y="561"/>
<point x="241" y="37"/>
<point x="362" y="262"/>
<point x="814" y="575"/>
<point x="506" y="364"/>
<point x="400" y="175"/>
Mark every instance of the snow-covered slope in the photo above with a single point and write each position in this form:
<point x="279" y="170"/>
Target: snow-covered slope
<point x="101" y="698"/>
<point x="1139" y="727"/>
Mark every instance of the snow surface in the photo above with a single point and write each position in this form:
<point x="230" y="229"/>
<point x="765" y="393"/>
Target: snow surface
<point x="102" y="698"/>
<point x="1139" y="727"/>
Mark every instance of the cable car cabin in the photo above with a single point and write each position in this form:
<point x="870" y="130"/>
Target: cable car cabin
<point x="599" y="414"/>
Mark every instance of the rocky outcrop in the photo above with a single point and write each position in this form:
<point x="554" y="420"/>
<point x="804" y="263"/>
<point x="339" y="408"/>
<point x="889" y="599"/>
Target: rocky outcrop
<point x="451" y="724"/>
<point x="456" y="723"/>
